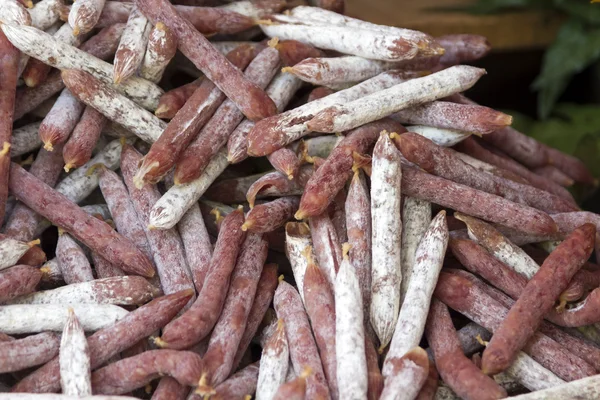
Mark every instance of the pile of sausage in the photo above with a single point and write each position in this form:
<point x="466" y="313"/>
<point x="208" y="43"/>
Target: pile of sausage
<point x="319" y="214"/>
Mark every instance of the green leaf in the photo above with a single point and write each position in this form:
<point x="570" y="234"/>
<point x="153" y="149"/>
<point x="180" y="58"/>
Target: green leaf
<point x="575" y="48"/>
<point x="581" y="9"/>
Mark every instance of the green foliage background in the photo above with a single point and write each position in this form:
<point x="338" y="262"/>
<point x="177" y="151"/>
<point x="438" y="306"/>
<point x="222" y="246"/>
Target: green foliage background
<point x="572" y="128"/>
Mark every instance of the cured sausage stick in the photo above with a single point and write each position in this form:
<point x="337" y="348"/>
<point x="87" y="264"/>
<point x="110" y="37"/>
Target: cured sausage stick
<point x="352" y="371"/>
<point x="28" y="352"/>
<point x="130" y="53"/>
<point x="455" y="369"/>
<point x="445" y="163"/>
<point x="250" y="99"/>
<point x="358" y="224"/>
<point x="274" y="363"/>
<point x="462" y="117"/>
<point x="124" y="290"/>
<point x="269" y="216"/>
<point x="319" y="302"/>
<point x="78" y="149"/>
<point x="72" y="261"/>
<point x="303" y="349"/>
<point x="280" y="130"/>
<point x="134" y="372"/>
<point x="84" y="15"/>
<point x="262" y="300"/>
<point x="196" y="243"/>
<point x="173" y="205"/>
<point x="204" y="100"/>
<point x="9" y="64"/>
<point x="60" y="55"/>
<point x="330" y="178"/>
<point x="201" y="317"/>
<point x="228" y="331"/>
<point x="207" y="20"/>
<point x="167" y="249"/>
<point x="421" y="185"/>
<point x="122" y="209"/>
<point x="111" y="340"/>
<point x="74" y="359"/>
<point x="327" y="246"/>
<point x="113" y="105"/>
<point x="386" y="235"/>
<point x="11" y="251"/>
<point x="429" y="258"/>
<point x="408" y="376"/>
<point x="414" y="92"/>
<point x="227" y="117"/>
<point x="26" y="319"/>
<point x="384" y="46"/>
<point x="464" y="296"/>
<point x="537" y="298"/>
<point x="416" y="218"/>
<point x="162" y="46"/>
<point x="339" y="70"/>
<point x="17" y="281"/>
<point x="473" y="148"/>
<point x="95" y="234"/>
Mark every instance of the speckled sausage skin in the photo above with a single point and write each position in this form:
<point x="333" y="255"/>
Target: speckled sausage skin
<point x="124" y="290"/>
<point x="78" y="149"/>
<point x="538" y="297"/>
<point x="228" y="331"/>
<point x="409" y="375"/>
<point x="269" y="216"/>
<point x="329" y="179"/>
<point x="73" y="263"/>
<point x="303" y="349"/>
<point x="462" y="117"/>
<point x="471" y="147"/>
<point x="162" y="46"/>
<point x="319" y="302"/>
<point x="134" y="372"/>
<point x="28" y="352"/>
<point x="196" y="242"/>
<point x="130" y="53"/>
<point x="486" y="206"/>
<point x="464" y="296"/>
<point x="18" y="281"/>
<point x="195" y="112"/>
<point x="280" y="130"/>
<point x="352" y="371"/>
<point x="201" y="317"/>
<point x="429" y="258"/>
<point x="167" y="249"/>
<point x="122" y="210"/>
<point x="262" y="299"/>
<point x="252" y="101"/>
<point x="274" y="363"/>
<point x="111" y="340"/>
<point x="74" y="359"/>
<point x="207" y="20"/>
<point x="215" y="134"/>
<point x="455" y="369"/>
<point x="60" y="121"/>
<point x="101" y="45"/>
<point x="173" y="100"/>
<point x="358" y="226"/>
<point x="386" y="236"/>
<point x="9" y="65"/>
<point x="444" y="163"/>
<point x="96" y="234"/>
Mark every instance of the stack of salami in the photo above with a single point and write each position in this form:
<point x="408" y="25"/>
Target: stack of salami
<point x="319" y="213"/>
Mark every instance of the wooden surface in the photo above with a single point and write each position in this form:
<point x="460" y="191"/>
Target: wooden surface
<point x="510" y="31"/>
